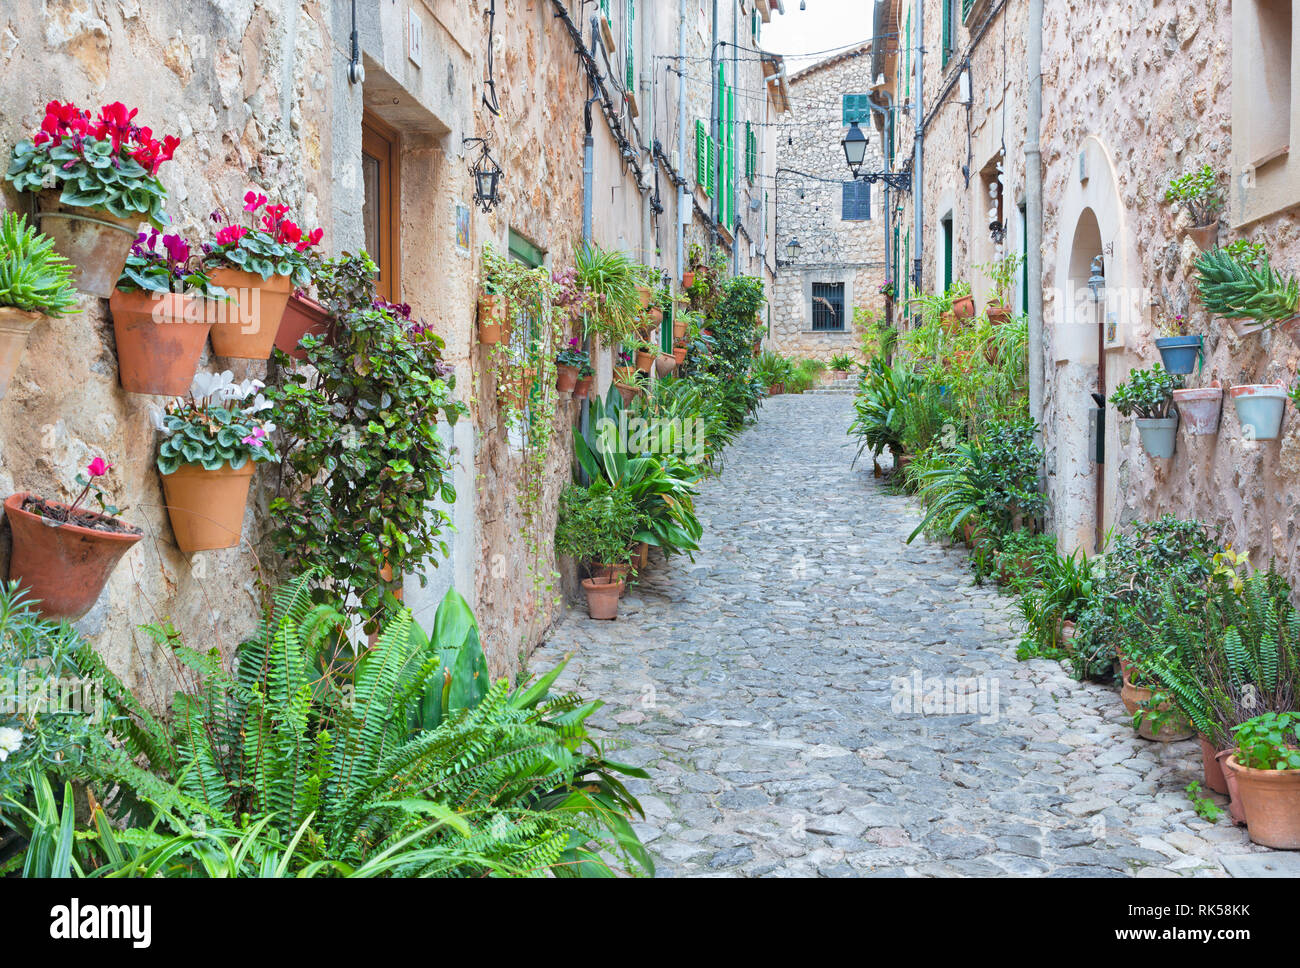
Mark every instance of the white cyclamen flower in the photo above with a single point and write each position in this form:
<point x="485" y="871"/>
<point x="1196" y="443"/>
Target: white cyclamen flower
<point x="259" y="404"/>
<point x="10" y="740"/>
<point x="211" y="387"/>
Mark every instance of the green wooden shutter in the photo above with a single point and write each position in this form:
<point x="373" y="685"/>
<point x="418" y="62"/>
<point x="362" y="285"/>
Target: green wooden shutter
<point x="948" y="32"/>
<point x="666" y="331"/>
<point x="711" y="184"/>
<point x="702" y="155"/>
<point x="856" y="108"/>
<point x="631" y="46"/>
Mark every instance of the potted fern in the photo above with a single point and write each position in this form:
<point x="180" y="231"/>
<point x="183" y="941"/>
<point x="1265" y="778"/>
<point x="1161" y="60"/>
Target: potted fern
<point x="1148" y="396"/>
<point x="1241" y="286"/>
<point x="35" y="282"/>
<point x="96" y="176"/>
<point x="64" y="553"/>
<point x="1198" y="194"/>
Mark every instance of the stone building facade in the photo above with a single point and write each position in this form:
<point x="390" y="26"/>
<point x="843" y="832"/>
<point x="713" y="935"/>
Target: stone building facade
<point x="1157" y="89"/>
<point x="839" y="223"/>
<point x="268" y="96"/>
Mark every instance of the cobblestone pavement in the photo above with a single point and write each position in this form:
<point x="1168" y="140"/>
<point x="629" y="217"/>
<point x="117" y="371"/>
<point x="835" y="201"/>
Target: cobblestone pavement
<point x="759" y="687"/>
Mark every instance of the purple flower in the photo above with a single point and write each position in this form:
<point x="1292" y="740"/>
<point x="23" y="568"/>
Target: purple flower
<point x="255" y="438"/>
<point x="178" y="250"/>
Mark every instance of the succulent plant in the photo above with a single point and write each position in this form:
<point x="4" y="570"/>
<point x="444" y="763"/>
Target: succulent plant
<point x="33" y="277"/>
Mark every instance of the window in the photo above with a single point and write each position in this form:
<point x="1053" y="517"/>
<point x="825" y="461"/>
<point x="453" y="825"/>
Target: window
<point x="828" y="307"/>
<point x="856" y="203"/>
<point x="751" y="153"/>
<point x="1265" y="119"/>
<point x="950" y="29"/>
<point x="857" y="107"/>
<point x="630" y="33"/>
<point x="1268" y="134"/>
<point x="381" y="207"/>
<point x="704" y="158"/>
<point x="946" y="224"/>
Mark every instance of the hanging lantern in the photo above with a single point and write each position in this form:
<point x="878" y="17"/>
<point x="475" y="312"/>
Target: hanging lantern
<point x="487" y="176"/>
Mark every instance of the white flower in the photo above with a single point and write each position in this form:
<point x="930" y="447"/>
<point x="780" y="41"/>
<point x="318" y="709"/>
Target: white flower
<point x="259" y="404"/>
<point x="211" y="387"/>
<point x="10" y="740"/>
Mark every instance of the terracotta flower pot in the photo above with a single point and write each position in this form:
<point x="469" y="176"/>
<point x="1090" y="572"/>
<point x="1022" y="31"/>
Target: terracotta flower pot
<point x="1204" y="235"/>
<point x="1271" y="801"/>
<point x="1171" y="731"/>
<point x="1200" y="409"/>
<point x="964" y="308"/>
<point x="490" y="327"/>
<point x="566" y="378"/>
<point x="646" y="295"/>
<point x="776" y="390"/>
<point x="516" y="390"/>
<point x="1245" y="327"/>
<point x="1159" y="437"/>
<point x="665" y="363"/>
<point x="64" y="565"/>
<point x="602" y="598"/>
<point x="998" y="313"/>
<point x="642" y="557"/>
<point x="645" y="361"/>
<point x="688" y="279"/>
<point x="1211" y="766"/>
<point x="207" y="507"/>
<point x="15" y="326"/>
<point x="1236" y="810"/>
<point x="1125" y="667"/>
<point x="1291" y="329"/>
<point x="94" y="240"/>
<point x="583" y="388"/>
<point x="249" y="325"/>
<point x="303" y="316"/>
<point x="160" y="337"/>
<point x="657" y="315"/>
<point x="679" y="328"/>
<point x="628" y="392"/>
<point x="680" y="353"/>
<point x="1066" y="636"/>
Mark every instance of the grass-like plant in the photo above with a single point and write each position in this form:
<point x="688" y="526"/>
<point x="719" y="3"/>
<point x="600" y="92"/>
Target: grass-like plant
<point x="612" y="278"/>
<point x="33" y="277"/>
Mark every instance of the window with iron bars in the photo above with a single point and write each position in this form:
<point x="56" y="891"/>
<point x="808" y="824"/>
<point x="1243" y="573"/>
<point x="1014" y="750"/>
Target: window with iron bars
<point x="828" y="307"/>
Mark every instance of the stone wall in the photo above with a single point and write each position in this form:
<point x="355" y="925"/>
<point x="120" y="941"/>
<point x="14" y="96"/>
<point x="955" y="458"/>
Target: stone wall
<point x="808" y="198"/>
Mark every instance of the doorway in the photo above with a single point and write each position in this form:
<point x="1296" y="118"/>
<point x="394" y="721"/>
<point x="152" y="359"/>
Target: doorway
<point x="1088" y="316"/>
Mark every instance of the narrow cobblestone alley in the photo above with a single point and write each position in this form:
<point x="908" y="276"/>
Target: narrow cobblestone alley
<point x="758" y="687"/>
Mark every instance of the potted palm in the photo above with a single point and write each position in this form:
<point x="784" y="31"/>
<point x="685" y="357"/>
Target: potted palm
<point x="163" y="307"/>
<point x="64" y="553"/>
<point x="35" y="282"/>
<point x="259" y="268"/>
<point x="595" y="527"/>
<point x="1148" y="395"/>
<point x="211" y="442"/>
<point x="1198" y="194"/>
<point x="97" y="179"/>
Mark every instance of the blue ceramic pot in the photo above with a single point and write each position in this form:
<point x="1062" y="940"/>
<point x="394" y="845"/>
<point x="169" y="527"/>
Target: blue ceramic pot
<point x="1260" y="409"/>
<point x="1180" y="353"/>
<point x="1158" y="436"/>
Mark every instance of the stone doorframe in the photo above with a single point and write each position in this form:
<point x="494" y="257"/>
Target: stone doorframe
<point x="1092" y="191"/>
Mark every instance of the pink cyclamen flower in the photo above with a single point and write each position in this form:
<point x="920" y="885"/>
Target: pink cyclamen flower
<point x="255" y="438"/>
<point x="253" y="201"/>
<point x="231" y="233"/>
<point x="99" y="467"/>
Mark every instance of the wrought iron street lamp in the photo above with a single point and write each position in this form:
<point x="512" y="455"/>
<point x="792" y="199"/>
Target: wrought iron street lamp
<point x="792" y="249"/>
<point x="855" y="153"/>
<point x="487" y="176"/>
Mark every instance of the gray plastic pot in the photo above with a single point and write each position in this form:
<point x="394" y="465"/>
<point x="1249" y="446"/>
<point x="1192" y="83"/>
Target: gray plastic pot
<point x="1158" y="436"/>
<point x="1260" y="408"/>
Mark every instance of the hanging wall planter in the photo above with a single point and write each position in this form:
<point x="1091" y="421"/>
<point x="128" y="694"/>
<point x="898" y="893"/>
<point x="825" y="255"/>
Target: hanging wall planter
<point x="679" y="354"/>
<point x="645" y="361"/>
<point x="490" y="327"/>
<point x="665" y="363"/>
<point x="1260" y="408"/>
<point x="566" y="378"/>
<point x="646" y="295"/>
<point x="248" y="327"/>
<point x="64" y="556"/>
<point x="1180" y="353"/>
<point x="160" y="337"/>
<point x="1200" y="409"/>
<point x="964" y="307"/>
<point x="582" y="389"/>
<point x="998" y="313"/>
<point x="207" y="507"/>
<point x="1245" y="326"/>
<point x="1204" y="236"/>
<point x="15" y="326"/>
<point x="303" y="316"/>
<point x="1158" y="436"/>
<point x="95" y="241"/>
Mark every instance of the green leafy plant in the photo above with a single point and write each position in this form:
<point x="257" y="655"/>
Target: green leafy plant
<point x="612" y="278"/>
<point x="1205" y="808"/>
<point x="842" y="362"/>
<point x="1146" y="393"/>
<point x="1002" y="273"/>
<point x="1232" y="289"/>
<point x="1198" y="193"/>
<point x="363" y="458"/>
<point x="596" y="525"/>
<point x="1270" y="742"/>
<point x="33" y="277"/>
<point x="176" y="268"/>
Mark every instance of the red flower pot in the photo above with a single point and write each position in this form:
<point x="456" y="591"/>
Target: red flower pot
<point x="64" y="565"/>
<point x="566" y="378"/>
<point x="302" y="317"/>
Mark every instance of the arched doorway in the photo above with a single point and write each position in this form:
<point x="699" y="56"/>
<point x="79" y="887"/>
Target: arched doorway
<point x="1087" y="309"/>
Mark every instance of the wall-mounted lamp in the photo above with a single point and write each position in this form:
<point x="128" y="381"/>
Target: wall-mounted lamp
<point x="487" y="176"/>
<point x="792" y="249"/>
<point x="1097" y="280"/>
<point x="855" y="148"/>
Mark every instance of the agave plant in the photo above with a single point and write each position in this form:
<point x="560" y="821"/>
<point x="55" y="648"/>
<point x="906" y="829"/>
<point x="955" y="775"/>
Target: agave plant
<point x="1241" y="288"/>
<point x="33" y="277"/>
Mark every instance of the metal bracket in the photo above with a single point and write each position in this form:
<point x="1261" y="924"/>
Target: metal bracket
<point x="899" y="181"/>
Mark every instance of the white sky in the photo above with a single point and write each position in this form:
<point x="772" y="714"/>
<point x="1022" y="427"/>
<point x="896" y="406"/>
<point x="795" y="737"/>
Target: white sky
<point x="825" y="24"/>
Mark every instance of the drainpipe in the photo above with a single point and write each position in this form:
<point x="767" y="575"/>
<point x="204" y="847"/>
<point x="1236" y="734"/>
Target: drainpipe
<point x="683" y="199"/>
<point x="1034" y="211"/>
<point x="735" y="77"/>
<point x="713" y="131"/>
<point x="647" y="127"/>
<point x="918" y="156"/>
